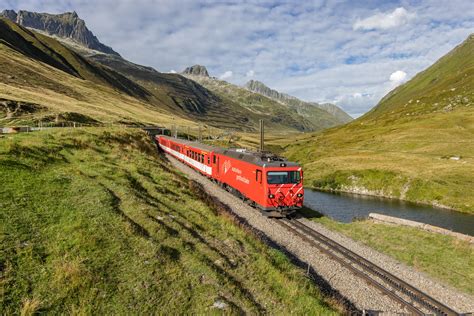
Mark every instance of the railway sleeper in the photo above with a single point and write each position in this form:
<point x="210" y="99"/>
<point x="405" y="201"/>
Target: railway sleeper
<point x="403" y="287"/>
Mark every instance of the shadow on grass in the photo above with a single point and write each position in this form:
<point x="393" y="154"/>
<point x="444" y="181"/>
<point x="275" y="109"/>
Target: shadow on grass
<point x="115" y="204"/>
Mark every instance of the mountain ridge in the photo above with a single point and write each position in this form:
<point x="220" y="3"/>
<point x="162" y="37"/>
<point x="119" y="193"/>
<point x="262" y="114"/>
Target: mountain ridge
<point x="304" y="117"/>
<point x="66" y="25"/>
<point x="259" y="87"/>
<point x="164" y="94"/>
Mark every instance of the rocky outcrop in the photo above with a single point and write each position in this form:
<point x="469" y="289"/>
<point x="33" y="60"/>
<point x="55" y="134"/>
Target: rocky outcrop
<point x="196" y="70"/>
<point x="11" y="108"/>
<point x="65" y="25"/>
<point x="260" y="87"/>
<point x="9" y="14"/>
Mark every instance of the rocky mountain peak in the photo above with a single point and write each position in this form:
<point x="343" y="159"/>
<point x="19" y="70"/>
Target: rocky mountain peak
<point x="9" y="14"/>
<point x="260" y="87"/>
<point x="196" y="70"/>
<point x="65" y="25"/>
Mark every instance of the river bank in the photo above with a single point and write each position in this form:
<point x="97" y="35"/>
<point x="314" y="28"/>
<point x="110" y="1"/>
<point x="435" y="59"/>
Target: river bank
<point x="347" y="207"/>
<point x="380" y="194"/>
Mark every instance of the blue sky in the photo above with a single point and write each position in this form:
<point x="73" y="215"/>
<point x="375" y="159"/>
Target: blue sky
<point x="347" y="52"/>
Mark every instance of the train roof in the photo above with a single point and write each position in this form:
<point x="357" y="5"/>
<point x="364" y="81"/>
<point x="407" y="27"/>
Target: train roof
<point x="263" y="159"/>
<point x="193" y="144"/>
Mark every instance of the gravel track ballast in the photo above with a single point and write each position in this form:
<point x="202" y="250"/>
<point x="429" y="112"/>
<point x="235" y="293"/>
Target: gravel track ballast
<point x="364" y="296"/>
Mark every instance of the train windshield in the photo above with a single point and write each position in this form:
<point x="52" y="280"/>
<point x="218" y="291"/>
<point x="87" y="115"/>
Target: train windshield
<point x="282" y="177"/>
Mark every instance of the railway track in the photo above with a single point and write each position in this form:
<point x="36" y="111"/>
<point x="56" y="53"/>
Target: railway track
<point x="414" y="300"/>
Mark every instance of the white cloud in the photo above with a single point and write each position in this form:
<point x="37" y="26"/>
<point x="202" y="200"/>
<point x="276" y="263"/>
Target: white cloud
<point x="383" y="21"/>
<point x="309" y="49"/>
<point x="398" y="77"/>
<point x="226" y="75"/>
<point x="250" y="73"/>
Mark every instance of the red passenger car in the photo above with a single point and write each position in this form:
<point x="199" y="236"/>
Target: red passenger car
<point x="266" y="181"/>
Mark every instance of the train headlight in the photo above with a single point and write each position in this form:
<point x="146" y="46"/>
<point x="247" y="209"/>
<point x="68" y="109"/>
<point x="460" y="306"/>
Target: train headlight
<point x="299" y="195"/>
<point x="271" y="196"/>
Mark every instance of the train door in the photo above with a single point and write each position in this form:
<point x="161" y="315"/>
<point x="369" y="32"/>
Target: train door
<point x="216" y="164"/>
<point x="259" y="187"/>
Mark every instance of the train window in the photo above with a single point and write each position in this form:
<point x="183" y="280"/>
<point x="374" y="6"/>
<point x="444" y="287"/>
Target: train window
<point x="258" y="176"/>
<point x="208" y="160"/>
<point x="202" y="158"/>
<point x="214" y="159"/>
<point x="281" y="177"/>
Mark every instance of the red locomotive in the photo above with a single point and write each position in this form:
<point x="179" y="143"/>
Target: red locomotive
<point x="266" y="181"/>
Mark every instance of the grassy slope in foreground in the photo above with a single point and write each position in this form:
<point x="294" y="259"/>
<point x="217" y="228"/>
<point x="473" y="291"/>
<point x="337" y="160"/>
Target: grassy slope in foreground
<point x="403" y="148"/>
<point x="93" y="221"/>
<point x="444" y="258"/>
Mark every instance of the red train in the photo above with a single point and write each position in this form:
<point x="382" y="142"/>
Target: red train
<point x="266" y="181"/>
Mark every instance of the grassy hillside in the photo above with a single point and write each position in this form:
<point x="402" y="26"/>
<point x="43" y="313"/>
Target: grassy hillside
<point x="49" y="51"/>
<point x="94" y="221"/>
<point x="180" y="95"/>
<point x="417" y="144"/>
<point x="34" y="67"/>
<point x="41" y="80"/>
<point x="446" y="85"/>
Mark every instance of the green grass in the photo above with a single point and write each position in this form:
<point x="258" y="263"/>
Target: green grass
<point x="93" y="221"/>
<point x="444" y="258"/>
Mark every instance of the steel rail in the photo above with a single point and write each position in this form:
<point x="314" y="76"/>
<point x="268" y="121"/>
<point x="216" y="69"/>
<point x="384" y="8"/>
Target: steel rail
<point x="357" y="272"/>
<point x="414" y="293"/>
<point x="318" y="240"/>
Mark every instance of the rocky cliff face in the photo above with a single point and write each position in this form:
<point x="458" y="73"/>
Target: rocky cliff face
<point x="9" y="14"/>
<point x="66" y="25"/>
<point x="261" y="88"/>
<point x="196" y="70"/>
